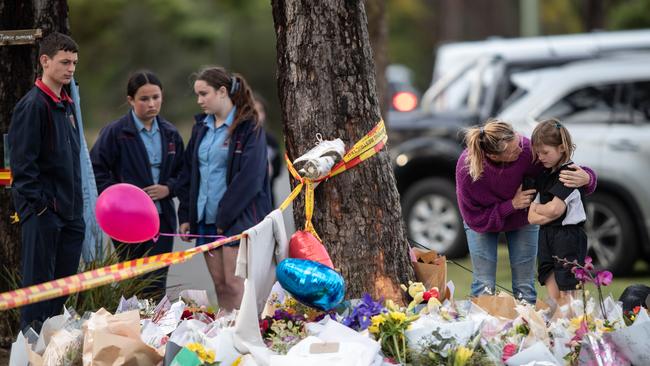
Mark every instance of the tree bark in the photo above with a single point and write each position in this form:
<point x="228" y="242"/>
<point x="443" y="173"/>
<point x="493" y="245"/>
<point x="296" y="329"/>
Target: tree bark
<point x="378" y="34"/>
<point x="326" y="85"/>
<point x="18" y="67"/>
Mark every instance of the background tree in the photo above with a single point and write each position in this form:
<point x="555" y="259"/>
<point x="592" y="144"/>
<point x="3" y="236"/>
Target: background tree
<point x="18" y="67"/>
<point x="326" y="84"/>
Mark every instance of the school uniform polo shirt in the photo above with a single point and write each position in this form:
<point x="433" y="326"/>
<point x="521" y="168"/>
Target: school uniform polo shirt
<point x="213" y="161"/>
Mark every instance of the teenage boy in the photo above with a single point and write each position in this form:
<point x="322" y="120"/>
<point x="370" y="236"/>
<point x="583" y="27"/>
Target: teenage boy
<point x="44" y="158"/>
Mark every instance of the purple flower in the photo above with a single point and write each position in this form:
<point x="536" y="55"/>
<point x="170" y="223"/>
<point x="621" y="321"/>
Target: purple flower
<point x="603" y="278"/>
<point x="580" y="274"/>
<point x="359" y="318"/>
<point x="589" y="266"/>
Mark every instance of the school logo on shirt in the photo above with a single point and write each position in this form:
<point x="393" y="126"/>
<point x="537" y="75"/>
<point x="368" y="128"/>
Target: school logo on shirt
<point x="171" y="148"/>
<point x="72" y="122"/>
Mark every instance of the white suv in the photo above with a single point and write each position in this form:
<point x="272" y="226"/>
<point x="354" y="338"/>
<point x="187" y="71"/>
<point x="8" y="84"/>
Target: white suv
<point x="605" y="104"/>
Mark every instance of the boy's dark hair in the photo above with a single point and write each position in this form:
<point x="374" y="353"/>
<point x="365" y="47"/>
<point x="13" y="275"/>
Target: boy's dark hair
<point x="55" y="42"/>
<point x="140" y="78"/>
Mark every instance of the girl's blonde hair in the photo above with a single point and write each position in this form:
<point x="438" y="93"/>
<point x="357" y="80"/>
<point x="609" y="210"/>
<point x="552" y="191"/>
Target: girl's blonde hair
<point x="552" y="133"/>
<point x="491" y="138"/>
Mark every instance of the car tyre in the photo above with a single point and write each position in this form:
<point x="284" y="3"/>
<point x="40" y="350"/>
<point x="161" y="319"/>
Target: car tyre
<point x="432" y="217"/>
<point x="610" y="233"/>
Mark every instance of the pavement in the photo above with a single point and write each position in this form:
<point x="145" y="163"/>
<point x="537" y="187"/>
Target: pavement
<point x="193" y="274"/>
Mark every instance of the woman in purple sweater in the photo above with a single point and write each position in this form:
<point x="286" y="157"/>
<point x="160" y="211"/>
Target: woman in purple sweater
<point x="489" y="177"/>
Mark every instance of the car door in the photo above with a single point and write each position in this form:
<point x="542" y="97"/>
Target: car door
<point x="626" y="154"/>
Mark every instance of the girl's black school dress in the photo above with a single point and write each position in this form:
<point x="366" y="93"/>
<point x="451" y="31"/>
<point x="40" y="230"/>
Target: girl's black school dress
<point x="563" y="237"/>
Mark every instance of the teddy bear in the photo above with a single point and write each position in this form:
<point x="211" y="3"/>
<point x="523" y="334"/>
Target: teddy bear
<point x="419" y="293"/>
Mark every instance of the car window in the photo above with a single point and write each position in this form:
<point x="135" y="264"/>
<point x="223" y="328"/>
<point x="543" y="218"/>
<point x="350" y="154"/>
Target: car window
<point x="593" y="104"/>
<point x="640" y="102"/>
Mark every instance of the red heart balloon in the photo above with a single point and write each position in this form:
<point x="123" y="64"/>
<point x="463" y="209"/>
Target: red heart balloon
<point x="304" y="245"/>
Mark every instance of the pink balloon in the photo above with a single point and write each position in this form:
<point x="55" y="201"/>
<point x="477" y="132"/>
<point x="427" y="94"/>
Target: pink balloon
<point x="127" y="214"/>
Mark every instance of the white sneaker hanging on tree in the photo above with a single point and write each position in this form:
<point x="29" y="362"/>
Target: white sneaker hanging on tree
<point x="317" y="162"/>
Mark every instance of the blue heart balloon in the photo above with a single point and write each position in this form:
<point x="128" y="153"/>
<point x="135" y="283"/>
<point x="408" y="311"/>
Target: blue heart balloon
<point x="311" y="283"/>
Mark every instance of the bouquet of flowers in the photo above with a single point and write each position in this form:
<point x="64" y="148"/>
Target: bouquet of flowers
<point x="282" y="330"/>
<point x="388" y="328"/>
<point x="360" y="315"/>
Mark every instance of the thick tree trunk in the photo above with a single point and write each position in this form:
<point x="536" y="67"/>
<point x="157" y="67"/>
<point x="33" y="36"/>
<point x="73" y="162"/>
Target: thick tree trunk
<point x="18" y="66"/>
<point x="378" y="33"/>
<point x="326" y="84"/>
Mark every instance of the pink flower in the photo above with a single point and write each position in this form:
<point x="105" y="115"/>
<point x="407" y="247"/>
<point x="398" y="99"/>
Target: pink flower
<point x="508" y="350"/>
<point x="580" y="274"/>
<point x="603" y="278"/>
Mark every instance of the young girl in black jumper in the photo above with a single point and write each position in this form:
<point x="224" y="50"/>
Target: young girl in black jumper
<point x="559" y="210"/>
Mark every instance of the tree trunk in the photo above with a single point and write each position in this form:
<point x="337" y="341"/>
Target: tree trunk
<point x="378" y="33"/>
<point x="18" y="66"/>
<point x="326" y="85"/>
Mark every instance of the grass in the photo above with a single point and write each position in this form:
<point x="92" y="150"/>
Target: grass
<point x="463" y="279"/>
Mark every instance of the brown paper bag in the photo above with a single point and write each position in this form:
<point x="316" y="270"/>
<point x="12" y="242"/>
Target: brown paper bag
<point x="115" y="340"/>
<point x="502" y="305"/>
<point x="431" y="270"/>
<point x="113" y="350"/>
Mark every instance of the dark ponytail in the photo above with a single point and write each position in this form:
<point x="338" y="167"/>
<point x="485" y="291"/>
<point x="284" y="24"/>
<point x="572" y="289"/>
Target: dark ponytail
<point x="238" y="91"/>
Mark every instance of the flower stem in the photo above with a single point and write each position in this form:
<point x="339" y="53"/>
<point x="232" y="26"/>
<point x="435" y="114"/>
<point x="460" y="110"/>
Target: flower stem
<point x="399" y="355"/>
<point x="602" y="304"/>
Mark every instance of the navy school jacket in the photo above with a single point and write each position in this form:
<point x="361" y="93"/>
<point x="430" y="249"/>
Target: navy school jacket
<point x="44" y="146"/>
<point x="247" y="199"/>
<point x="119" y="156"/>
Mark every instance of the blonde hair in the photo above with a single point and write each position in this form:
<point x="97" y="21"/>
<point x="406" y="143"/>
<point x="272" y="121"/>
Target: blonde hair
<point x="552" y="133"/>
<point x="491" y="138"/>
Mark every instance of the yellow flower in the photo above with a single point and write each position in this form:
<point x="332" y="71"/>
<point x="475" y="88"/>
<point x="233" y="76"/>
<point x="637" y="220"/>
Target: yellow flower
<point x="462" y="355"/>
<point x="194" y="347"/>
<point x="398" y="316"/>
<point x="378" y="320"/>
<point x="290" y="302"/>
<point x="374" y="329"/>
<point x="209" y="356"/>
<point x="206" y="356"/>
<point x="237" y="361"/>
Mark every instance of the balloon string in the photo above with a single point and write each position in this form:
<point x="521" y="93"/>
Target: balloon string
<point x="157" y="236"/>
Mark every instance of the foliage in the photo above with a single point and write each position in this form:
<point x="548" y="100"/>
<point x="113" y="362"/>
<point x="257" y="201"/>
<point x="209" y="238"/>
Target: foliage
<point x="437" y="349"/>
<point x="9" y="322"/>
<point x="173" y="38"/>
<point x="633" y="14"/>
<point x="104" y="296"/>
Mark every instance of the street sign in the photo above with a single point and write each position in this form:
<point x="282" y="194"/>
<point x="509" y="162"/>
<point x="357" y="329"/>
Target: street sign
<point x="21" y="36"/>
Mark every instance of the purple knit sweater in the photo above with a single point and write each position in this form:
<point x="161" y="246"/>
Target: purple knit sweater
<point x="486" y="205"/>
